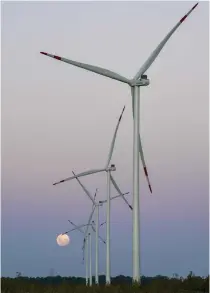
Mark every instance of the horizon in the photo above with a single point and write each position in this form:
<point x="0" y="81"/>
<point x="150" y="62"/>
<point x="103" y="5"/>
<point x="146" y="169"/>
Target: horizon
<point x="104" y="275"/>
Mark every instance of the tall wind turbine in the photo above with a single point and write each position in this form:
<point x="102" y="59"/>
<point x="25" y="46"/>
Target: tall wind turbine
<point x="140" y="79"/>
<point x="96" y="205"/>
<point x="108" y="170"/>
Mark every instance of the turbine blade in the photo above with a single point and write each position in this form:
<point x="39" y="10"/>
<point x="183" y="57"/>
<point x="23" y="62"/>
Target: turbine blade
<point x="102" y="239"/>
<point x="77" y="227"/>
<point x="119" y="195"/>
<point x="102" y="224"/>
<point x="113" y="139"/>
<point x="93" y="228"/>
<point x="83" y="251"/>
<point x="67" y="232"/>
<point x="70" y="230"/>
<point x="80" y="175"/>
<point x="141" y="150"/>
<point x="116" y="196"/>
<point x="84" y="243"/>
<point x="156" y="52"/>
<point x="85" y="189"/>
<point x="95" y="194"/>
<point x="119" y="191"/>
<point x="95" y="69"/>
<point x="89" y="220"/>
<point x="72" y="224"/>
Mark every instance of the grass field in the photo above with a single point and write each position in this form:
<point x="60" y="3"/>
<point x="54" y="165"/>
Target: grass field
<point x="120" y="284"/>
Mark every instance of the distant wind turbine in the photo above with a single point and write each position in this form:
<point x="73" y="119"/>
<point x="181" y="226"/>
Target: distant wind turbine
<point x="95" y="207"/>
<point x="87" y="245"/>
<point x="108" y="170"/>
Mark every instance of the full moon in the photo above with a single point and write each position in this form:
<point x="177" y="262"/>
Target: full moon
<point x="63" y="240"/>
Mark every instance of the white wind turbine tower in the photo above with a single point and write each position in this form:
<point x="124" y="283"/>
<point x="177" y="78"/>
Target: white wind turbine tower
<point x="95" y="207"/>
<point x="108" y="170"/>
<point x="140" y="79"/>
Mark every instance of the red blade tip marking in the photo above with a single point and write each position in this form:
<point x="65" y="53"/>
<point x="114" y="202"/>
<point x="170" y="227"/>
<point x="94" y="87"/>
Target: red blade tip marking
<point x="145" y="171"/>
<point x="57" y="57"/>
<point x="186" y="15"/>
<point x="43" y="53"/>
<point x="183" y="18"/>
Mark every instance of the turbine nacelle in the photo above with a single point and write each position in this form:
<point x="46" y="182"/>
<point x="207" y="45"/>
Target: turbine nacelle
<point x="143" y="81"/>
<point x="112" y="168"/>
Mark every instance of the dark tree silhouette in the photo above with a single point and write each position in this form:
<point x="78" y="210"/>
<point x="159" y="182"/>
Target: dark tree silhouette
<point x="120" y="284"/>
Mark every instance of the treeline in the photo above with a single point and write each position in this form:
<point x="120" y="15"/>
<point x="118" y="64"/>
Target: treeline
<point x="120" y="284"/>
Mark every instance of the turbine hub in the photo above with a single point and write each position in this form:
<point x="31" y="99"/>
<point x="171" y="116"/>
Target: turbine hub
<point x="143" y="81"/>
<point x="112" y="168"/>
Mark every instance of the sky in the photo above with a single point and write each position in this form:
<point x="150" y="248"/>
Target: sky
<point x="57" y="118"/>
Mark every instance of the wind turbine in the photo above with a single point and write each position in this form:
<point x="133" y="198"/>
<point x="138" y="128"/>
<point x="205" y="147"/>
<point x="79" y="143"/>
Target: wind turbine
<point x="95" y="206"/>
<point x="140" y="79"/>
<point x="88" y="243"/>
<point x="108" y="170"/>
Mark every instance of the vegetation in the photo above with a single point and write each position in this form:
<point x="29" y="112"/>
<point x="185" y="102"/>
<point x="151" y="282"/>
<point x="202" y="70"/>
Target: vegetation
<point x="120" y="284"/>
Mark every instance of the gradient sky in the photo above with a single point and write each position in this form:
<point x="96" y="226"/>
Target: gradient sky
<point x="57" y="118"/>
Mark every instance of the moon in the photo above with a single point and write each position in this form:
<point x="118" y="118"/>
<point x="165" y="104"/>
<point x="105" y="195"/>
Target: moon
<point x="63" y="240"/>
